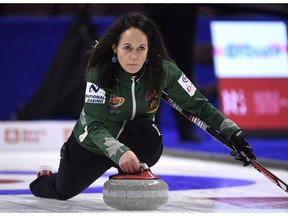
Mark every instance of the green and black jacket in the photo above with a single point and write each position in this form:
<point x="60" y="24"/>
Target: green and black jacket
<point x="106" y="111"/>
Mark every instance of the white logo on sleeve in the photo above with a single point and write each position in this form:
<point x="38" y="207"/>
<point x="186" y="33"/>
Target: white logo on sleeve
<point x="187" y="85"/>
<point x="94" y="94"/>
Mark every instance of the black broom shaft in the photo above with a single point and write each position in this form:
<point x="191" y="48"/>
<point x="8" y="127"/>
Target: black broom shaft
<point x="215" y="134"/>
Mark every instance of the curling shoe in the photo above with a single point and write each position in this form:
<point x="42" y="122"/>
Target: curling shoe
<point x="44" y="171"/>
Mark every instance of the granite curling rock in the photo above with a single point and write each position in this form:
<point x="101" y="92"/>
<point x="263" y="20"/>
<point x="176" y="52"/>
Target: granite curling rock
<point x="141" y="191"/>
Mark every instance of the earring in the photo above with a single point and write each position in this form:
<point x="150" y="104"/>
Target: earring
<point x="146" y="61"/>
<point x="114" y="58"/>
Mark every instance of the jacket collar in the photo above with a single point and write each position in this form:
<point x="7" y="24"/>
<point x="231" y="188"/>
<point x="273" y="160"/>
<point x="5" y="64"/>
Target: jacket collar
<point x="123" y="74"/>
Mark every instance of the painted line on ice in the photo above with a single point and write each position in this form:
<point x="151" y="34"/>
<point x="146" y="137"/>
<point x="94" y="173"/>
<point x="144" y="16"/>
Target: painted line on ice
<point x="175" y="183"/>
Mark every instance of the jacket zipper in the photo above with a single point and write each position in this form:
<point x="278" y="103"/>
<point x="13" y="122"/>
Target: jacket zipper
<point x="133" y="98"/>
<point x="133" y="106"/>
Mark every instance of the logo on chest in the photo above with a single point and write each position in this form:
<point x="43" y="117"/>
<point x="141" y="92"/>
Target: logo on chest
<point x="152" y="102"/>
<point x="114" y="103"/>
<point x="94" y="94"/>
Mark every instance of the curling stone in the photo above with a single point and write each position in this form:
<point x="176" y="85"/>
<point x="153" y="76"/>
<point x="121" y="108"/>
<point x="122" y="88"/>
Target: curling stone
<point x="140" y="191"/>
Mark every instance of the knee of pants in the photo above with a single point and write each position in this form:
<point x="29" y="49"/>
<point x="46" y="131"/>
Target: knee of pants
<point x="151" y="158"/>
<point x="44" y="187"/>
<point x="142" y="133"/>
<point x="144" y="138"/>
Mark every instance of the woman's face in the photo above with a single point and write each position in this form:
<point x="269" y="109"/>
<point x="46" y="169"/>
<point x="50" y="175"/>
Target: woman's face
<point x="131" y="50"/>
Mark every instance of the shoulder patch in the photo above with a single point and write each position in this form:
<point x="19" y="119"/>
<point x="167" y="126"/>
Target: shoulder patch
<point x="187" y="85"/>
<point x="94" y="94"/>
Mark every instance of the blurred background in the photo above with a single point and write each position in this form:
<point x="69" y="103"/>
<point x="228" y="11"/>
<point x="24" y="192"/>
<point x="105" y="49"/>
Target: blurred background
<point x="236" y="54"/>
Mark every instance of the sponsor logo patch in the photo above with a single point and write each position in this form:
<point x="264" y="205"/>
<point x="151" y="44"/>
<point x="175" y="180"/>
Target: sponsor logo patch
<point x="152" y="102"/>
<point x="94" y="94"/>
<point x="115" y="102"/>
<point x="187" y="85"/>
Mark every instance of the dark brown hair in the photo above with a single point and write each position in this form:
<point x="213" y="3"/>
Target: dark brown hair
<point x="103" y="52"/>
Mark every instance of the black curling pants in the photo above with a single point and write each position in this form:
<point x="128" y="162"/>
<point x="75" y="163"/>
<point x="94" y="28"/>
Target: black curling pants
<point x="79" y="168"/>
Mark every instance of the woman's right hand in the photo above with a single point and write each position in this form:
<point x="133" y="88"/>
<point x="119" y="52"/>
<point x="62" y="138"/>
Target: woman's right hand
<point x="129" y="163"/>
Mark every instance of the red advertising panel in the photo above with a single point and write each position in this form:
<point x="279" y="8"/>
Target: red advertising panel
<point x="251" y="64"/>
<point x="255" y="103"/>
